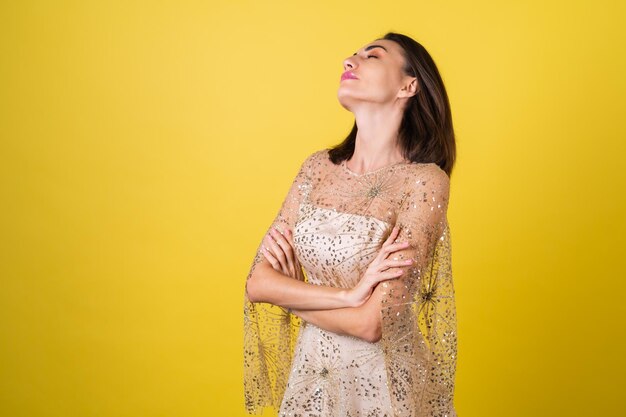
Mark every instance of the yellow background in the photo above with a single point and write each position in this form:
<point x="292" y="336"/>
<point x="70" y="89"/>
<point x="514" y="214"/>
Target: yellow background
<point x="146" y="146"/>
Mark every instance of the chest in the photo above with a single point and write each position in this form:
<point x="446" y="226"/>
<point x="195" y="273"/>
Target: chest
<point x="342" y="223"/>
<point x="336" y="247"/>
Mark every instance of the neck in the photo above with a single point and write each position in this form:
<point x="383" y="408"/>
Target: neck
<point x="376" y="143"/>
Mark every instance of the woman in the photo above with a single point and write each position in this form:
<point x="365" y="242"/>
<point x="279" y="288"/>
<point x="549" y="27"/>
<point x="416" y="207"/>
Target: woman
<point x="364" y="334"/>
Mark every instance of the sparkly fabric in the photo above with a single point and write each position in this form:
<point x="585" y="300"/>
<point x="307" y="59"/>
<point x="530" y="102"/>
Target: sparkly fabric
<point x="340" y="219"/>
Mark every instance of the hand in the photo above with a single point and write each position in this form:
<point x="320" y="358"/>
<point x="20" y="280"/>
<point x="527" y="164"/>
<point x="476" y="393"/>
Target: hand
<point x="278" y="249"/>
<point x="379" y="269"/>
<point x="280" y="253"/>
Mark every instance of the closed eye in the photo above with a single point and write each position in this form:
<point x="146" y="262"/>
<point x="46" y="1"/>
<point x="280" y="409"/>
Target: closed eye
<point x="372" y="56"/>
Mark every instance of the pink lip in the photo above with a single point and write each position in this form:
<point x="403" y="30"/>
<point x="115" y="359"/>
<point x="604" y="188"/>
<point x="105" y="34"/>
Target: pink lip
<point x="348" y="75"/>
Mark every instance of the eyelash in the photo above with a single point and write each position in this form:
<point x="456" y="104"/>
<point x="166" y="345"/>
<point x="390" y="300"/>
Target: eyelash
<point x="372" y="56"/>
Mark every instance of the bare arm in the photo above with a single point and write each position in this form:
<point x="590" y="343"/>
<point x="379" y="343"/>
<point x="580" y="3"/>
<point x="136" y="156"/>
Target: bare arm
<point x="361" y="319"/>
<point x="271" y="286"/>
<point x="273" y="279"/>
<point x="363" y="322"/>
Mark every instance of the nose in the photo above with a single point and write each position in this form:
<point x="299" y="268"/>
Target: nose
<point x="349" y="63"/>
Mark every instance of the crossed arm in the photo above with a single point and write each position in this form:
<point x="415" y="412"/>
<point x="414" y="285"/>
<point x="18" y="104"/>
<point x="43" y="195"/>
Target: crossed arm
<point x="277" y="288"/>
<point x="363" y="322"/>
<point x="326" y="307"/>
<point x="320" y="305"/>
<point x="420" y="217"/>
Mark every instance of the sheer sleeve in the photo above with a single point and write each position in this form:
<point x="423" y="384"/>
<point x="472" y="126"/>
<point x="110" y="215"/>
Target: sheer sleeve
<point x="417" y="310"/>
<point x="269" y="330"/>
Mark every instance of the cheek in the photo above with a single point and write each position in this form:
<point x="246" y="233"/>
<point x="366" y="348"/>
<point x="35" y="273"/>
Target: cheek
<point x="392" y="81"/>
<point x="385" y="80"/>
<point x="384" y="87"/>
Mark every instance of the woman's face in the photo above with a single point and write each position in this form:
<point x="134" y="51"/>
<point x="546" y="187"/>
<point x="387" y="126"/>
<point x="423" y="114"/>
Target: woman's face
<point x="380" y="79"/>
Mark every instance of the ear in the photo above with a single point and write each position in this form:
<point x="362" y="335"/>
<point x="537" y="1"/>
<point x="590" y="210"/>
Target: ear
<point x="410" y="88"/>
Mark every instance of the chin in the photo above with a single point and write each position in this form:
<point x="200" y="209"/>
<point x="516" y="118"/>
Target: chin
<point x="346" y="99"/>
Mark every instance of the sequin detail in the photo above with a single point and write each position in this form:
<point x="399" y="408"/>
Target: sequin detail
<point x="340" y="220"/>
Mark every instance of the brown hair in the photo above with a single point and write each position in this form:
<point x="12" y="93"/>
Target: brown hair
<point x="426" y="133"/>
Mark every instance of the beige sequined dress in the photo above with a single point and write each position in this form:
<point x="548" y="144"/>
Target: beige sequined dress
<point x="340" y="220"/>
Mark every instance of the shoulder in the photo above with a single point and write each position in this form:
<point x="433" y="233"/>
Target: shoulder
<point x="427" y="182"/>
<point x="319" y="155"/>
<point x="425" y="174"/>
<point x="315" y="158"/>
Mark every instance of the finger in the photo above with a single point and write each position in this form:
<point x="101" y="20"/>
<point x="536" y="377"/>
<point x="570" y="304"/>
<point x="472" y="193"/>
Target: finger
<point x="281" y="239"/>
<point x="280" y="265"/>
<point x="389" y="274"/>
<point x="387" y="250"/>
<point x="388" y="245"/>
<point x="276" y="237"/>
<point x="394" y="247"/>
<point x="285" y="246"/>
<point x="394" y="231"/>
<point x="382" y="276"/>
<point x="289" y="237"/>
<point x="272" y="260"/>
<point x="289" y="234"/>
<point x="393" y="235"/>
<point x="277" y="251"/>
<point x="270" y="245"/>
<point x="390" y="263"/>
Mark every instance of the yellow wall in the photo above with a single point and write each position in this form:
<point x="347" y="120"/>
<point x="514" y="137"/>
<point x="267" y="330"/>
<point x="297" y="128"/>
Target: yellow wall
<point x="146" y="146"/>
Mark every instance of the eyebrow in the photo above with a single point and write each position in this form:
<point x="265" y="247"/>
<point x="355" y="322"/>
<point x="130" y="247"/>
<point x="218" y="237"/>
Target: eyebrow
<point x="372" y="47"/>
